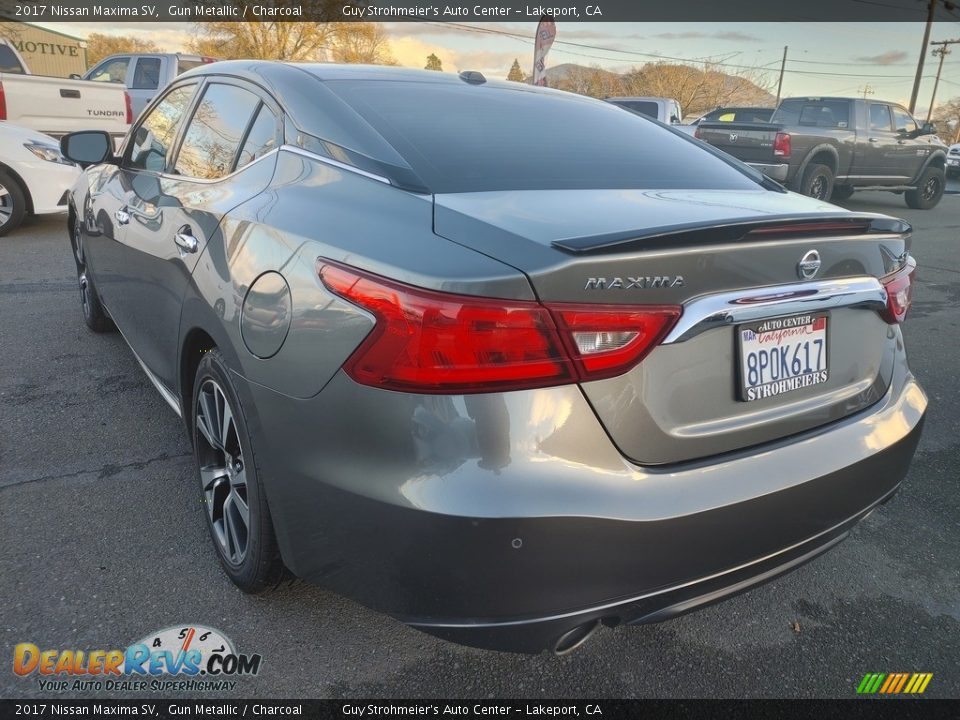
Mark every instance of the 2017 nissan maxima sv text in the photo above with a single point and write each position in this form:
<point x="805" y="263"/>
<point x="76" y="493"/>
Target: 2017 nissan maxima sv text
<point x="363" y="290"/>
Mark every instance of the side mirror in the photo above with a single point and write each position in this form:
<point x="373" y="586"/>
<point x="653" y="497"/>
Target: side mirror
<point x="928" y="129"/>
<point x="74" y="76"/>
<point x="87" y="147"/>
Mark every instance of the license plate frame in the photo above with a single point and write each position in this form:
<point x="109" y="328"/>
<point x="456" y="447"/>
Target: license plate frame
<point x="795" y="330"/>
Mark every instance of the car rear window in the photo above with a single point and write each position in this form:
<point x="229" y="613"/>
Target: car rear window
<point x="8" y="61"/>
<point x="482" y="138"/>
<point x="183" y="65"/>
<point x="650" y="109"/>
<point x="813" y="113"/>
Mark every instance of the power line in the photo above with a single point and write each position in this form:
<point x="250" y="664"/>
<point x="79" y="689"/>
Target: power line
<point x="766" y="66"/>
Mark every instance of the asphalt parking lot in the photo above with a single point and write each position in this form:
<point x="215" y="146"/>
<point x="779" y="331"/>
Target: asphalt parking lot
<point x="103" y="540"/>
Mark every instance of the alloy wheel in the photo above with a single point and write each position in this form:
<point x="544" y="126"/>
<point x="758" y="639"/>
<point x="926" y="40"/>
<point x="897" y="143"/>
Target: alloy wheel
<point x="6" y="206"/>
<point x="930" y="188"/>
<point x="84" y="292"/>
<point x="78" y="239"/>
<point x="222" y="472"/>
<point x="818" y="188"/>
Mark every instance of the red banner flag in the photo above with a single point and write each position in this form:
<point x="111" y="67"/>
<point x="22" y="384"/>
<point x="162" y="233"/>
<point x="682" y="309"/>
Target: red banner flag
<point x="546" y="32"/>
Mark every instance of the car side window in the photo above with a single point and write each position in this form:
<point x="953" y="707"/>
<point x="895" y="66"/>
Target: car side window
<point x="879" y="117"/>
<point x="146" y="76"/>
<point x="215" y="132"/>
<point x="261" y="139"/>
<point x="153" y="139"/>
<point x="903" y="121"/>
<point x="111" y="71"/>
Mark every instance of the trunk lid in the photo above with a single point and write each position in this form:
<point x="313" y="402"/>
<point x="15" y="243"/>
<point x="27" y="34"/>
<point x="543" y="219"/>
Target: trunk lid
<point x="747" y="141"/>
<point x="691" y="248"/>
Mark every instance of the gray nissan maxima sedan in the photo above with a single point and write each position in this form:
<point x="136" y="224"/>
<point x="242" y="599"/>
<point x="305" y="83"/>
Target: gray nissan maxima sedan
<point x="500" y="361"/>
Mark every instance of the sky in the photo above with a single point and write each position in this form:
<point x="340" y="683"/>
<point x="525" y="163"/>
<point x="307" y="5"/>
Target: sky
<point x="823" y="58"/>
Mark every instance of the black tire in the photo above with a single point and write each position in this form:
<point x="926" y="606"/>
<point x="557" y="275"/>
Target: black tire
<point x="929" y="190"/>
<point x="13" y="204"/>
<point x="229" y="477"/>
<point x="841" y="192"/>
<point x="817" y="182"/>
<point x="94" y="315"/>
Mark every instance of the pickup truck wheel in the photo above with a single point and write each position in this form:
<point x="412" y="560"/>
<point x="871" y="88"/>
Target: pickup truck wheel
<point x="929" y="190"/>
<point x="841" y="192"/>
<point x="13" y="204"/>
<point x="817" y="182"/>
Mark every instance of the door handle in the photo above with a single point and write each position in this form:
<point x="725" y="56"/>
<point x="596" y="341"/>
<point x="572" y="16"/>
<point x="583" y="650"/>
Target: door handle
<point x="122" y="216"/>
<point x="185" y="241"/>
<point x="873" y="139"/>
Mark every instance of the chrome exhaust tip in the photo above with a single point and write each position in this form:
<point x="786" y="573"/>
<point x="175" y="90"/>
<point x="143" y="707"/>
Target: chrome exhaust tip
<point x="575" y="637"/>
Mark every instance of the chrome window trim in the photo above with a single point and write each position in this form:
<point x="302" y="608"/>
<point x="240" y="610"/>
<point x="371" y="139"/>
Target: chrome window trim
<point x="726" y="309"/>
<point x="335" y="163"/>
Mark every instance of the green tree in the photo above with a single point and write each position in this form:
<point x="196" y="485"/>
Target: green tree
<point x="433" y="63"/>
<point x="516" y="74"/>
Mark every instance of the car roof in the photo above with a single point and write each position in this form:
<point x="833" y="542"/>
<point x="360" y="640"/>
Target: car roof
<point x="315" y="109"/>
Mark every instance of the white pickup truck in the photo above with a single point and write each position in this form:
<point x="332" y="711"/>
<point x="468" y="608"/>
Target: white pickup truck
<point x="56" y="106"/>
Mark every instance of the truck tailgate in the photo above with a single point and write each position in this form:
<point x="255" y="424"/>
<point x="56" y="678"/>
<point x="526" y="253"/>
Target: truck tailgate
<point x="747" y="141"/>
<point x="56" y="106"/>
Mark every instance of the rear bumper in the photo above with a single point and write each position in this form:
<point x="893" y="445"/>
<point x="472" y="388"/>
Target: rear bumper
<point x="659" y="604"/>
<point x="778" y="172"/>
<point x="506" y="520"/>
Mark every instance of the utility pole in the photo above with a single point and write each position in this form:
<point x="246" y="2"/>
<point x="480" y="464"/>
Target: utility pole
<point x="783" y="66"/>
<point x="931" y="9"/>
<point x="866" y="90"/>
<point x="942" y="51"/>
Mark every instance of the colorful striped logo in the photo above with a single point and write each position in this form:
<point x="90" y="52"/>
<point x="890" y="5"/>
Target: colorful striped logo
<point x="894" y="683"/>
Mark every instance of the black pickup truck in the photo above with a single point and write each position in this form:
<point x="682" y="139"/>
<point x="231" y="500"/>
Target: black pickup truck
<point x="829" y="147"/>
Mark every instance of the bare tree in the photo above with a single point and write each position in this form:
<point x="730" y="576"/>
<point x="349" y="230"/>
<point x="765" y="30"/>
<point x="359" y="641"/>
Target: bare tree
<point x="100" y="46"/>
<point x="291" y="41"/>
<point x="361" y="42"/>
<point x="947" y="119"/>
<point x="699" y="90"/>
<point x="593" y="81"/>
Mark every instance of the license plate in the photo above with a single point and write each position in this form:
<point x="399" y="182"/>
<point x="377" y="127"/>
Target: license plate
<point x="953" y="162"/>
<point x="782" y="355"/>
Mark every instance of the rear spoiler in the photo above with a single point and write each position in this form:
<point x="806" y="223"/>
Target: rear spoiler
<point x="736" y="230"/>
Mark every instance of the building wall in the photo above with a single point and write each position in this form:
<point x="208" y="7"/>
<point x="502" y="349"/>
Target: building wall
<point x="46" y="52"/>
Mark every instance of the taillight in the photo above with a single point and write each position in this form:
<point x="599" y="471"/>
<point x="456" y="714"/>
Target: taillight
<point x="781" y="145"/>
<point x="3" y="104"/>
<point x="129" y="104"/>
<point x="899" y="287"/>
<point x="434" y="342"/>
<point x="607" y="340"/>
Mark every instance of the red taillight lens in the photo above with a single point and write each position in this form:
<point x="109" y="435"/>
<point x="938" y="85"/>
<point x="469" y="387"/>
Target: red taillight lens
<point x="3" y="104"/>
<point x="608" y="340"/>
<point x="433" y="342"/>
<point x="782" y="146"/>
<point x="129" y="104"/>
<point x="899" y="287"/>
